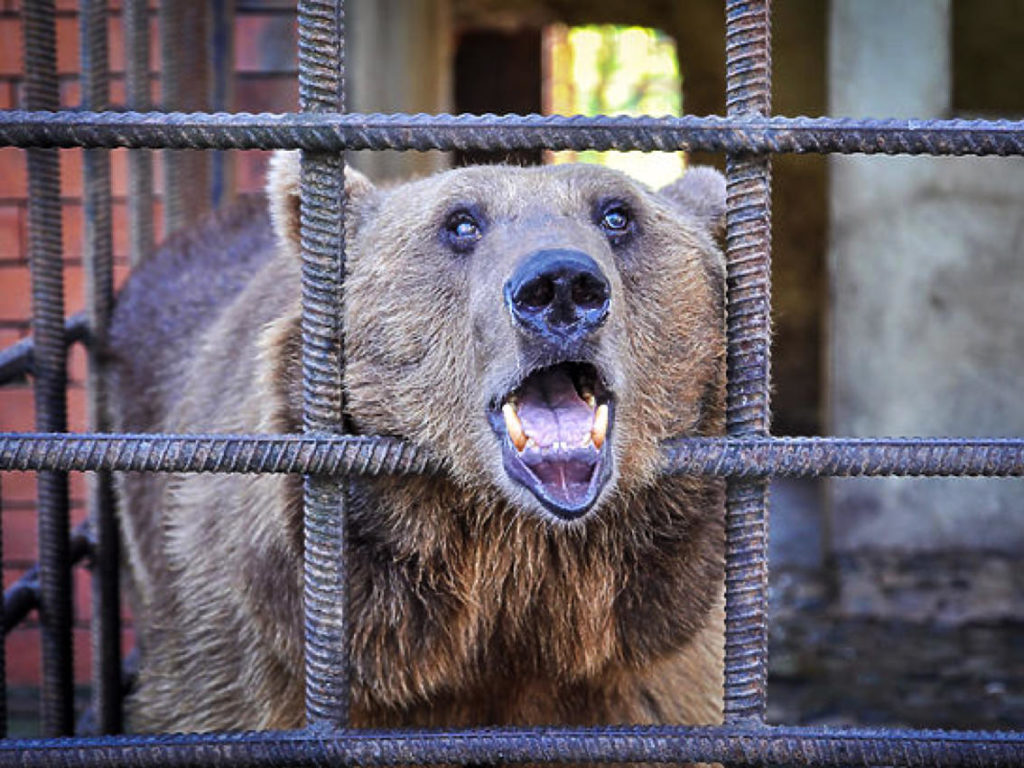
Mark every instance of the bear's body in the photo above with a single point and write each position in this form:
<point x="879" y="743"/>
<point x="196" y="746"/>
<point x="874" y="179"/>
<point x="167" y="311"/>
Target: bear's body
<point x="535" y="582"/>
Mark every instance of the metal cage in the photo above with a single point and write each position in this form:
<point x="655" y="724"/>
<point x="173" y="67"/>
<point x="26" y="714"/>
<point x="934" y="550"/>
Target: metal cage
<point x="748" y="456"/>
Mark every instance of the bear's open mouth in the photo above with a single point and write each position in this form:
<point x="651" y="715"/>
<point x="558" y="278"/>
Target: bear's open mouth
<point x="555" y="429"/>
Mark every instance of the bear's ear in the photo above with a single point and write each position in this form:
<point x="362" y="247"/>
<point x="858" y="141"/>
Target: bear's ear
<point x="700" y="192"/>
<point x="283" y="179"/>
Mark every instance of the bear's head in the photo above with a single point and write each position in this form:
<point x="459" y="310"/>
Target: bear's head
<point x="541" y="329"/>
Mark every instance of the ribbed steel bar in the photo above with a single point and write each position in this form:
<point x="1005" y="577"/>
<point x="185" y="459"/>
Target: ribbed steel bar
<point x="98" y="249"/>
<point x="171" y="39"/>
<point x="135" y="20"/>
<point x="297" y="454"/>
<point x="222" y="90"/>
<point x="667" y="744"/>
<point x="49" y="362"/>
<point x="342" y="455"/>
<point x="322" y="89"/>
<point x="3" y="649"/>
<point x="335" y="132"/>
<point x="748" y="334"/>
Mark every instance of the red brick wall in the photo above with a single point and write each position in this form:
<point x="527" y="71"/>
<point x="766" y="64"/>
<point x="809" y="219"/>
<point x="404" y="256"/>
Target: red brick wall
<point x="265" y="81"/>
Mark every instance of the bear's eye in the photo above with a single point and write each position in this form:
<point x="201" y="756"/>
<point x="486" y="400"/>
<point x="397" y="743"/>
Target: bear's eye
<point x="462" y="230"/>
<point x="616" y="221"/>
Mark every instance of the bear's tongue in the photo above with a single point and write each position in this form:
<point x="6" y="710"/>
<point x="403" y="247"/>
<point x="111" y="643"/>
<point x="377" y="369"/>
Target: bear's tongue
<point x="553" y="413"/>
<point x="558" y="423"/>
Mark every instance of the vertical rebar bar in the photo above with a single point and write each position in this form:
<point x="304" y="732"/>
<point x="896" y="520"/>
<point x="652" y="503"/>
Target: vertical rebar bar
<point x="3" y="623"/>
<point x="321" y="89"/>
<point x="222" y="61"/>
<point x="748" y="254"/>
<point x="185" y="86"/>
<point x="98" y="251"/>
<point x="135" y="21"/>
<point x="49" y="359"/>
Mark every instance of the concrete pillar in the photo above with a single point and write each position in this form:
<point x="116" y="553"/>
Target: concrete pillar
<point x="926" y="263"/>
<point x="399" y="60"/>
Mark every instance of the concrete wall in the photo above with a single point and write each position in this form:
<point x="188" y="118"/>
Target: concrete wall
<point x="399" y="60"/>
<point x="927" y="278"/>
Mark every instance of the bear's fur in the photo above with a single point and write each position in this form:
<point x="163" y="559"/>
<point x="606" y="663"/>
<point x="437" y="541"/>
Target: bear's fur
<point x="472" y="602"/>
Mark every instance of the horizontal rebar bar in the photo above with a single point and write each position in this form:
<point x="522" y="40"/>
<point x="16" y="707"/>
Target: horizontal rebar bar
<point x="369" y="455"/>
<point x="712" y="744"/>
<point x="334" y="132"/>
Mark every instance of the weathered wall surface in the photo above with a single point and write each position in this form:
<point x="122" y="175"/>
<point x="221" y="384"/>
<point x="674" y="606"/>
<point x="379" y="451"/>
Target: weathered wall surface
<point x="916" y="612"/>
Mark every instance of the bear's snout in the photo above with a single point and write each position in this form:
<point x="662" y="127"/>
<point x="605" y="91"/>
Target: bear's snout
<point x="558" y="294"/>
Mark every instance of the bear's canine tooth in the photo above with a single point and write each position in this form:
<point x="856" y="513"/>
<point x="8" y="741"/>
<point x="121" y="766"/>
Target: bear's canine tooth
<point x="600" y="428"/>
<point x="514" y="426"/>
<point x="589" y="399"/>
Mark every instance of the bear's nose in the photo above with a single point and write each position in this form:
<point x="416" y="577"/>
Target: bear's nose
<point x="558" y="293"/>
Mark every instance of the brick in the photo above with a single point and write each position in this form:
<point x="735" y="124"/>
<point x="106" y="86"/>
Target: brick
<point x="16" y="294"/>
<point x="24" y="659"/>
<point x="81" y="658"/>
<point x="251" y="170"/>
<point x="17" y="487"/>
<point x="11" y="50"/>
<point x="72" y="230"/>
<point x="265" y="43"/>
<point x="119" y="171"/>
<point x="17" y="412"/>
<point x="67" y="45"/>
<point x="77" y="415"/>
<point x="6" y="94"/>
<point x="121" y="229"/>
<point x="70" y="93"/>
<point x="268" y="94"/>
<point x="77" y="364"/>
<point x="13" y="178"/>
<point x="71" y="172"/>
<point x="10" y="336"/>
<point x="20" y="536"/>
<point x="13" y="244"/>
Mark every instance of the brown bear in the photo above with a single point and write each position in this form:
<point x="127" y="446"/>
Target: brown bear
<point x="542" y="330"/>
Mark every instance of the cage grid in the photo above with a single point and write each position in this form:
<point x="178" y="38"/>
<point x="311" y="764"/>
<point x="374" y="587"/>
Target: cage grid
<point x="748" y="456"/>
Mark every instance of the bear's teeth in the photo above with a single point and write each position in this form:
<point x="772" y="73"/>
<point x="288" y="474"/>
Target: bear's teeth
<point x="514" y="426"/>
<point x="589" y="399"/>
<point x="600" y="428"/>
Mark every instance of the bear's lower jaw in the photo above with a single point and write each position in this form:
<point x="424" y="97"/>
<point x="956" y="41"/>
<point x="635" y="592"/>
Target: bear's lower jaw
<point x="555" y="429"/>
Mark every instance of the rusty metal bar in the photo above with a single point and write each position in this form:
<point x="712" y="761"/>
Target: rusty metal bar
<point x="135" y="20"/>
<point x="733" y="745"/>
<point x="49" y="357"/>
<point x="222" y="91"/>
<point x="335" y="132"/>
<point x="185" y="84"/>
<point x="367" y="455"/>
<point x="322" y="89"/>
<point x="748" y="307"/>
<point x="3" y="649"/>
<point x="98" y="250"/>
